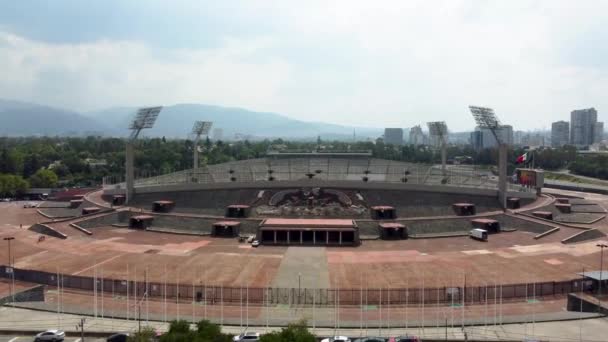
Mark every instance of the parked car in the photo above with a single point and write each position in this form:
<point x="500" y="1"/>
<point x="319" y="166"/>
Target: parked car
<point x="255" y="243"/>
<point x="479" y="234"/>
<point x="336" y="339"/>
<point x="120" y="337"/>
<point x="247" y="337"/>
<point x="50" y="335"/>
<point x="404" y="339"/>
<point x="29" y="205"/>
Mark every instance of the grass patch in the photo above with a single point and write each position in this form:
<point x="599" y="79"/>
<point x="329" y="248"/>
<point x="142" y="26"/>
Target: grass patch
<point x="572" y="178"/>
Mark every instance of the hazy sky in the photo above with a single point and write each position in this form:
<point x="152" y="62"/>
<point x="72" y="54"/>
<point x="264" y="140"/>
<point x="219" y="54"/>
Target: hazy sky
<point x="377" y="63"/>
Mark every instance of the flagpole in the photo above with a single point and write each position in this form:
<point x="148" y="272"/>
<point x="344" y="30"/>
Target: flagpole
<point x="423" y="290"/>
<point x="128" y="291"/>
<point x="165" y="295"/>
<point x="407" y="299"/>
<point x="464" y="294"/>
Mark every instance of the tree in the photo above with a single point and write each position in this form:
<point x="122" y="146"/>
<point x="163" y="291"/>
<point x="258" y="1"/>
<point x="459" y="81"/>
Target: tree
<point x="11" y="185"/>
<point x="146" y="334"/>
<point x="179" y="331"/>
<point x="295" y="332"/>
<point x="44" y="178"/>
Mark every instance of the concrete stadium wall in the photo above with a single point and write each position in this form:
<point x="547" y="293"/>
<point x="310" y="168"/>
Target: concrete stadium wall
<point x="34" y="294"/>
<point x="46" y="230"/>
<point x="317" y="183"/>
<point x="410" y="200"/>
<point x="454" y="225"/>
<point x="167" y="222"/>
<point x="197" y="224"/>
<point x="105" y="220"/>
<point x="205" y="202"/>
<point x="424" y="203"/>
<point x="60" y="209"/>
<point x="590" y="234"/>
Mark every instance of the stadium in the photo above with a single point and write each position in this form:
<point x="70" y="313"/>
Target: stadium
<point x="345" y="241"/>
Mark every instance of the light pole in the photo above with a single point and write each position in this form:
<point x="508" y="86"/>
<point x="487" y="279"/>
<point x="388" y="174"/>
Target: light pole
<point x="10" y="264"/>
<point x="601" y="246"/>
<point x="299" y="286"/>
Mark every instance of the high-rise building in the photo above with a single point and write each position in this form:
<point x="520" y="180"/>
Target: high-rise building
<point x="583" y="127"/>
<point x="393" y="136"/>
<point x="560" y="133"/>
<point x="218" y="134"/>
<point x="535" y="139"/>
<point x="598" y="132"/>
<point x="416" y="136"/>
<point x="517" y="137"/>
<point x="504" y="133"/>
<point x="477" y="140"/>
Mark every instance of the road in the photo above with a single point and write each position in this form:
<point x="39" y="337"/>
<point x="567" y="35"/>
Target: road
<point x="17" y="338"/>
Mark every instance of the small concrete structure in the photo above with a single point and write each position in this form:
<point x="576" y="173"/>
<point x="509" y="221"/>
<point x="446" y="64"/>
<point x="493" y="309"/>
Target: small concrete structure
<point x="78" y="197"/>
<point x="383" y="212"/>
<point x="309" y="232"/>
<point x="547" y="215"/>
<point x="118" y="199"/>
<point x="562" y="200"/>
<point x="513" y="203"/>
<point x="140" y="221"/>
<point x="238" y="210"/>
<point x="90" y="210"/>
<point x="392" y="231"/>
<point x="464" y="209"/>
<point x="163" y="206"/>
<point x="489" y="225"/>
<point x="75" y="203"/>
<point x="565" y="208"/>
<point x="225" y="229"/>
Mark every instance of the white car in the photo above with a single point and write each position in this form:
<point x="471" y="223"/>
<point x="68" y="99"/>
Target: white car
<point x="255" y="243"/>
<point x="336" y="339"/>
<point x="50" y="335"/>
<point x="247" y="337"/>
<point x="29" y="205"/>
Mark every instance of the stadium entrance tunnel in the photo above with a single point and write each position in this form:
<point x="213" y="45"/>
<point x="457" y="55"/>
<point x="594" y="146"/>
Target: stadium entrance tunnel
<point x="309" y="232"/>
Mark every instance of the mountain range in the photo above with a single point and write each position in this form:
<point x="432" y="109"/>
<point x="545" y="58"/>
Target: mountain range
<point x="21" y="118"/>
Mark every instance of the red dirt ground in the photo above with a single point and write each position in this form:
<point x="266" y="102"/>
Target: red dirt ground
<point x="513" y="257"/>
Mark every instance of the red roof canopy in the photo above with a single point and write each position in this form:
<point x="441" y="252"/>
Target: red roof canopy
<point x="391" y="225"/>
<point x="484" y="221"/>
<point x="308" y="223"/>
<point x="383" y="207"/>
<point x="239" y="206"/>
<point x="142" y="217"/>
<point x="463" y="204"/>
<point x="227" y="223"/>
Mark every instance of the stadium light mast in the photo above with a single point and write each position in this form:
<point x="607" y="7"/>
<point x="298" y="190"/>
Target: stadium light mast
<point x="145" y="118"/>
<point x="200" y="128"/>
<point x="486" y="118"/>
<point x="439" y="130"/>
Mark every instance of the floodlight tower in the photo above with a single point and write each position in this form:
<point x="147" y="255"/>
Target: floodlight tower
<point x="485" y="118"/>
<point x="199" y="128"/>
<point x="439" y="130"/>
<point x="145" y="118"/>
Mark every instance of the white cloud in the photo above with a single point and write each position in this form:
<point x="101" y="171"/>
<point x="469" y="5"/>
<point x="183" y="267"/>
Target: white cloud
<point x="396" y="63"/>
<point x="107" y="73"/>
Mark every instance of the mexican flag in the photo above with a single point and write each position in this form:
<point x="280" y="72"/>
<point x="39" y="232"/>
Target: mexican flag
<point x="524" y="158"/>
